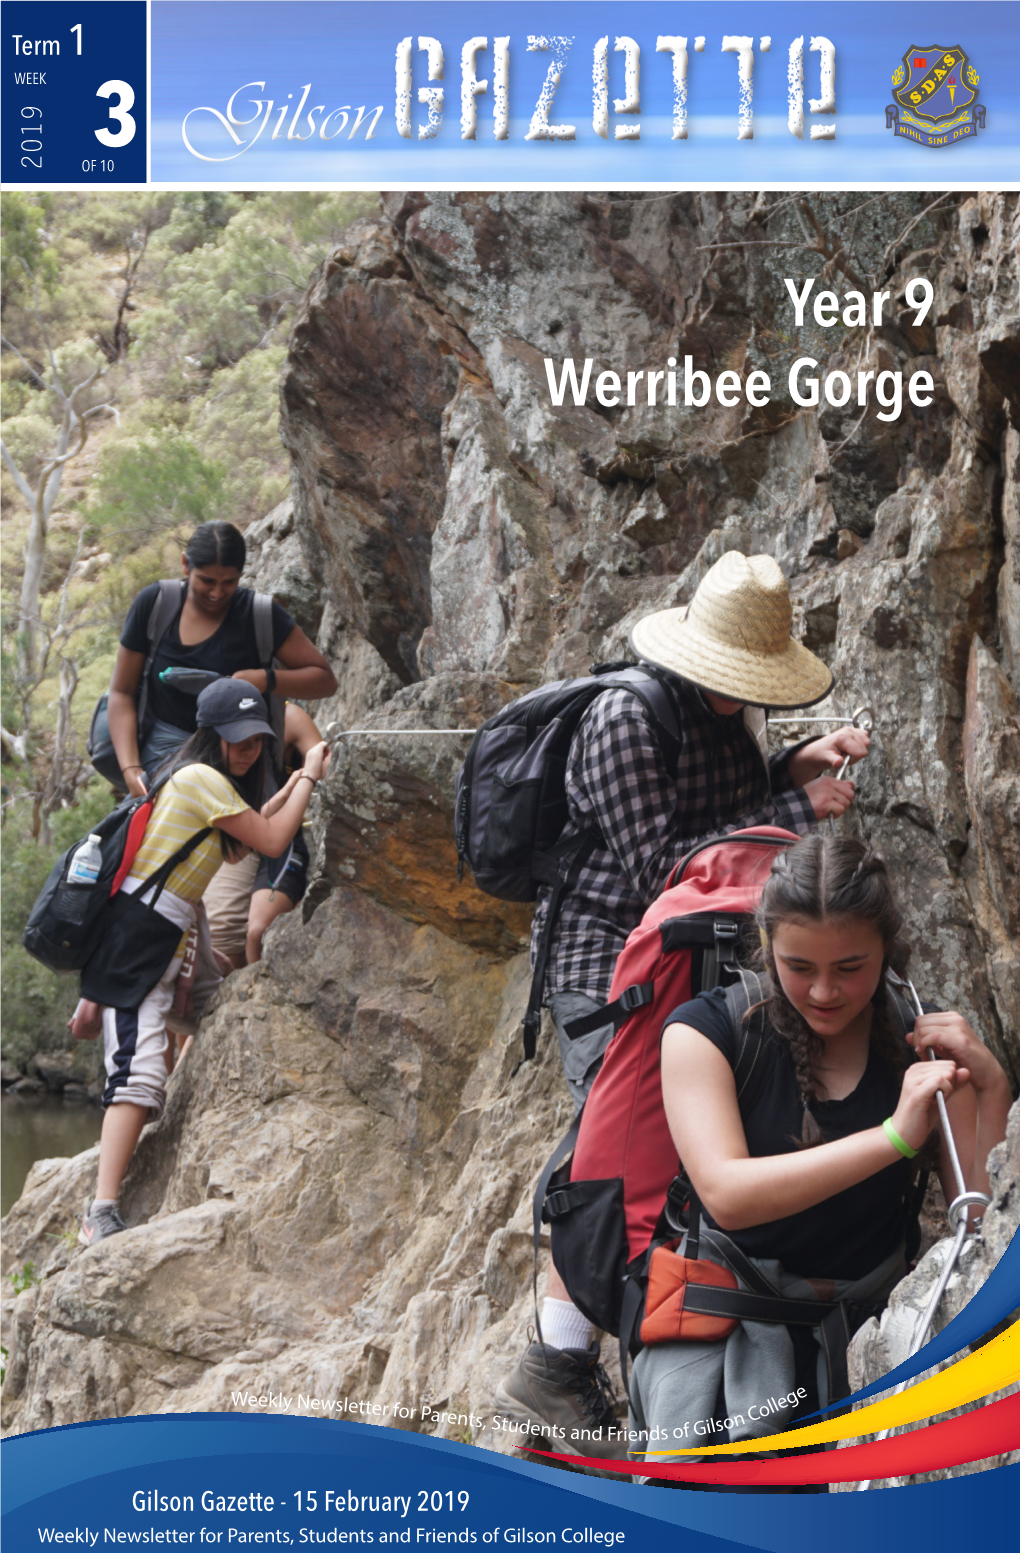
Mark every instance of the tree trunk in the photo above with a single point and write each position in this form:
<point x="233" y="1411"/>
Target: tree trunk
<point x="73" y="425"/>
<point x="31" y="586"/>
<point x="57" y="788"/>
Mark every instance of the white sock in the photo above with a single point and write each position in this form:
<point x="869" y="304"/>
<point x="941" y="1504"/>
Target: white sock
<point x="103" y="1202"/>
<point x="563" y="1325"/>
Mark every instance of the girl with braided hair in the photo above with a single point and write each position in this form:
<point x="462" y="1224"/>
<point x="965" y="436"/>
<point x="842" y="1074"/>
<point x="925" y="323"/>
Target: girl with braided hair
<point x="813" y="1177"/>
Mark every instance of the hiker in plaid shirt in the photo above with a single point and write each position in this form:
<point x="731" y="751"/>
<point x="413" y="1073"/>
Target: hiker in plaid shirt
<point x="728" y="657"/>
<point x="618" y="782"/>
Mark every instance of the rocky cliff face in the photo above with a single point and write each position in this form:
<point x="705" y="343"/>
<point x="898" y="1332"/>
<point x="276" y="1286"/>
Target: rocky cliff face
<point x="337" y="1202"/>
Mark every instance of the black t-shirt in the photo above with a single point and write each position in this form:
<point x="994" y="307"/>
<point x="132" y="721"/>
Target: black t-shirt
<point x="231" y="647"/>
<point x="848" y="1234"/>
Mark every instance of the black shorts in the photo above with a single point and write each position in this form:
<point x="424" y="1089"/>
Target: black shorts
<point x="294" y="880"/>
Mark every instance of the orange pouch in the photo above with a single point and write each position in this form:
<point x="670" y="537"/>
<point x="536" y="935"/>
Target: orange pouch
<point x="665" y="1320"/>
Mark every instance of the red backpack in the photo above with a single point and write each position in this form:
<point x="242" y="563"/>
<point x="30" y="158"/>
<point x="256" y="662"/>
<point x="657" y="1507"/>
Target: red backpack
<point x="622" y="1195"/>
<point x="604" y="1205"/>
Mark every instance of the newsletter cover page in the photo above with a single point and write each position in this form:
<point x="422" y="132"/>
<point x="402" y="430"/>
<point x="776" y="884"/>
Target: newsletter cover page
<point x="511" y="764"/>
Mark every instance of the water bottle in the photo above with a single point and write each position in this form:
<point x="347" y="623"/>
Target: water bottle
<point x="86" y="862"/>
<point x="82" y="873"/>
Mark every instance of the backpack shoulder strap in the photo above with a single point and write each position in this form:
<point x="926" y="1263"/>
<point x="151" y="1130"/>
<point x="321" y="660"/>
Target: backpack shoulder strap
<point x="262" y="616"/>
<point x="160" y="876"/>
<point x="750" y="1067"/>
<point x="659" y="702"/>
<point x="165" y="608"/>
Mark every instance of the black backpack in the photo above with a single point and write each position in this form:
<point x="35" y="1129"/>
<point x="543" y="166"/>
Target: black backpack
<point x="511" y="804"/>
<point x="67" y="921"/>
<point x="166" y="607"/>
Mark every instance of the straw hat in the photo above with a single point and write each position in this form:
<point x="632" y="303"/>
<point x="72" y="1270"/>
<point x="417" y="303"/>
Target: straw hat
<point x="734" y="637"/>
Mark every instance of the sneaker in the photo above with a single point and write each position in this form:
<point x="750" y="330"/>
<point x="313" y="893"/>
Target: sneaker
<point x="98" y="1223"/>
<point x="563" y="1397"/>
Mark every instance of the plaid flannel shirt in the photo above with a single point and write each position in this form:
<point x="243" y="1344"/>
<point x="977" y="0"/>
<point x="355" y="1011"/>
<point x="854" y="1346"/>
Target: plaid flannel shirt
<point x="617" y="782"/>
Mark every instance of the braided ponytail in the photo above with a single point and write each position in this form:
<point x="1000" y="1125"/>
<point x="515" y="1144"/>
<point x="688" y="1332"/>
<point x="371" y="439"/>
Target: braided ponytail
<point x="826" y="878"/>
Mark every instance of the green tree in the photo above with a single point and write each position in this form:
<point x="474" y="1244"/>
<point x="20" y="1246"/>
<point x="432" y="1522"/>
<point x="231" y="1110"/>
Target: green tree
<point x="25" y="247"/>
<point x="124" y="228"/>
<point x="238" y="426"/>
<point x="70" y="380"/>
<point x="235" y="294"/>
<point x="199" y="218"/>
<point x="159" y="485"/>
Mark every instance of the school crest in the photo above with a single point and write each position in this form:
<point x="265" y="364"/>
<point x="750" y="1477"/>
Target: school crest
<point x="936" y="97"/>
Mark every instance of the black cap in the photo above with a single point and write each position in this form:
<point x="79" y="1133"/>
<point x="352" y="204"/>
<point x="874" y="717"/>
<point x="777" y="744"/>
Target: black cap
<point x="235" y="709"/>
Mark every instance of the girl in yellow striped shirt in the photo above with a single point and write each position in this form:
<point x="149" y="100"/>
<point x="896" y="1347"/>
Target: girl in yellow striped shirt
<point x="214" y="791"/>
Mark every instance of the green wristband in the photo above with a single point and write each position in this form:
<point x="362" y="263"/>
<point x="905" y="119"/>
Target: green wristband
<point x="896" y="1141"/>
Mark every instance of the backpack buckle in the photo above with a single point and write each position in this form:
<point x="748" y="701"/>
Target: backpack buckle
<point x="557" y="1204"/>
<point x="726" y="932"/>
<point x="636" y="997"/>
<point x="676" y="1204"/>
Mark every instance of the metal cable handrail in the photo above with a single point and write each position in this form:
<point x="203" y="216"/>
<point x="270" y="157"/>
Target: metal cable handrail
<point x="959" y="1217"/>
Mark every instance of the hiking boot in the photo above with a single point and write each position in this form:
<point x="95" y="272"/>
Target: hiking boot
<point x="563" y="1399"/>
<point x="98" y="1223"/>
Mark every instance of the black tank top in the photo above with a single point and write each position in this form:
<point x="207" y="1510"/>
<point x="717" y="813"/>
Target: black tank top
<point x="846" y="1235"/>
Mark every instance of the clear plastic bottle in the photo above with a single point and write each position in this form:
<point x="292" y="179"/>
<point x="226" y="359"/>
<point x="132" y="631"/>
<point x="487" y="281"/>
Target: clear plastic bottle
<point x="82" y="873"/>
<point x="87" y="861"/>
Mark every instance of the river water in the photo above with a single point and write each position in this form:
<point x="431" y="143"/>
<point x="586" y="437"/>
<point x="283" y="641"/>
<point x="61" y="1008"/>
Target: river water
<point x="40" y="1127"/>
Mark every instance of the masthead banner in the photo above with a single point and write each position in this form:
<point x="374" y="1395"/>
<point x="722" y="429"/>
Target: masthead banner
<point x="507" y="92"/>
